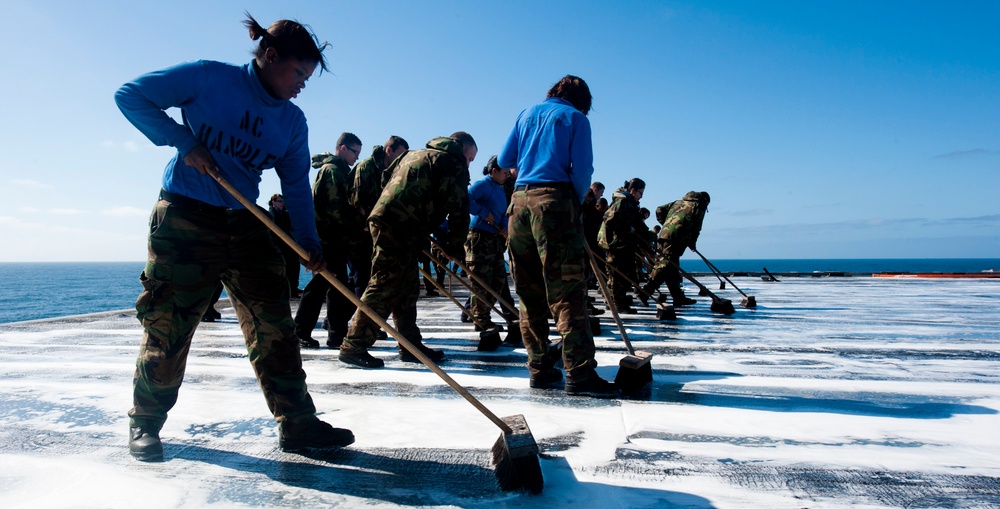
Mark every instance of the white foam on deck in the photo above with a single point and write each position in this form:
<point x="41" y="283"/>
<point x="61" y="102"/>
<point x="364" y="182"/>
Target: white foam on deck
<point x="887" y="391"/>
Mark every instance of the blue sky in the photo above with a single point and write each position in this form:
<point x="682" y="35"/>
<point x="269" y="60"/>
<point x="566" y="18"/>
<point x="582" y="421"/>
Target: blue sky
<point x="821" y="129"/>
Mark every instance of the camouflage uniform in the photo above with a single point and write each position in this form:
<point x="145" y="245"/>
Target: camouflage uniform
<point x="192" y="245"/>
<point x="341" y="230"/>
<point x="681" y="222"/>
<point x="547" y="253"/>
<point x="292" y="263"/>
<point x="426" y="187"/>
<point x="484" y="257"/>
<point x="368" y="180"/>
<point x="620" y="234"/>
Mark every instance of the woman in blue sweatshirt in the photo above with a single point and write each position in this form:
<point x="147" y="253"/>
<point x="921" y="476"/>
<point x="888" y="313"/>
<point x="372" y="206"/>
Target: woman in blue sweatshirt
<point x="239" y="120"/>
<point x="487" y="241"/>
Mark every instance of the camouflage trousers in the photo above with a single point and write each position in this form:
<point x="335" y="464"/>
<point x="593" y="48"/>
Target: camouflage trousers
<point x="547" y="257"/>
<point x="484" y="257"/>
<point x="351" y="263"/>
<point x="624" y="261"/>
<point x="433" y="264"/>
<point x="664" y="272"/>
<point x="192" y="246"/>
<point x="393" y="288"/>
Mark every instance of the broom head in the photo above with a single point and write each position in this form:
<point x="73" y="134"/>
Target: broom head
<point x="634" y="372"/>
<point x="665" y="312"/>
<point x="724" y="306"/>
<point x="515" y="456"/>
<point x="489" y="340"/>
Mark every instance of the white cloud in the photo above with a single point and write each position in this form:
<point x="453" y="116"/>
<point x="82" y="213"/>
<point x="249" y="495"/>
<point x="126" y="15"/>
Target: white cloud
<point x="17" y="224"/>
<point x="127" y="146"/>
<point x="34" y="184"/>
<point x="125" y="211"/>
<point x="66" y="212"/>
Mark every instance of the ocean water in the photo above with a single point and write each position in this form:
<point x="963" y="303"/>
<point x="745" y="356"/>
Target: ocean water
<point x="851" y="266"/>
<point x="31" y="291"/>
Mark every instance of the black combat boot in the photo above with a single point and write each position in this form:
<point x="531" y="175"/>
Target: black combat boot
<point x="360" y="358"/>
<point x="312" y="433"/>
<point x="144" y="444"/>
<point x="593" y="386"/>
<point x="432" y="353"/>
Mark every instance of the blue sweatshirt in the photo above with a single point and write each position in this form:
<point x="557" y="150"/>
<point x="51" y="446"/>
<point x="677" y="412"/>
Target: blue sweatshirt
<point x="247" y="131"/>
<point x="550" y="143"/>
<point x="486" y="197"/>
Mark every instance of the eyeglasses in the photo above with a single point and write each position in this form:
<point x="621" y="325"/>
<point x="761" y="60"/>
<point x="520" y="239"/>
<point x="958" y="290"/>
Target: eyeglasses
<point x="357" y="153"/>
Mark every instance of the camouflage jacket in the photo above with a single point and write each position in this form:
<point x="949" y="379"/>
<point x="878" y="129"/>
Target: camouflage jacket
<point x="623" y="226"/>
<point x="682" y="219"/>
<point x="368" y="180"/>
<point x="427" y="186"/>
<point x="336" y="219"/>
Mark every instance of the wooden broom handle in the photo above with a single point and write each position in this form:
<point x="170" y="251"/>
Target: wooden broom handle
<point x="607" y="298"/>
<point x="284" y="236"/>
<point x="474" y="277"/>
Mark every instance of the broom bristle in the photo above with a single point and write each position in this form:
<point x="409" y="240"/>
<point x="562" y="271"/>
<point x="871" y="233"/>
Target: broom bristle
<point x="634" y="372"/>
<point x="724" y="306"/>
<point x="516" y="464"/>
<point x="489" y="340"/>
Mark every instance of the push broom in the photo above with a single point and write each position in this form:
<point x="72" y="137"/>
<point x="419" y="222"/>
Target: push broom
<point x="748" y="300"/>
<point x="515" y="453"/>
<point x="719" y="305"/>
<point x="472" y="275"/>
<point x="702" y="289"/>
<point x="513" y="328"/>
<point x="489" y="339"/>
<point x="663" y="311"/>
<point x="634" y="370"/>
<point x="509" y="307"/>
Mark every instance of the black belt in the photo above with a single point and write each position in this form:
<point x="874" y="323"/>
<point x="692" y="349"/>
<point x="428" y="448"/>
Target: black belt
<point x="484" y="232"/>
<point x="189" y="203"/>
<point x="544" y="185"/>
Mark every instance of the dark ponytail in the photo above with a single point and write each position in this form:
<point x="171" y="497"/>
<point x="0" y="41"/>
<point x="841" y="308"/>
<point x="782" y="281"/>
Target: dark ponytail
<point x="491" y="165"/>
<point x="288" y="38"/>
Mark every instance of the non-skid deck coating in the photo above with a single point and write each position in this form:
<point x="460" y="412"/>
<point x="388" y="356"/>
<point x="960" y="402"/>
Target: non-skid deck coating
<point x="833" y="392"/>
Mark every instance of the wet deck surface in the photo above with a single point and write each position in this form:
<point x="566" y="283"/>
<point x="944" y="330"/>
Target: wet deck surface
<point x="833" y="392"/>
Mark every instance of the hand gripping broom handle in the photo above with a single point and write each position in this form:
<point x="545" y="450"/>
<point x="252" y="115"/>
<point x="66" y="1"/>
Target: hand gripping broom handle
<point x="466" y="284"/>
<point x="357" y="302"/>
<point x="607" y="298"/>
<point x="475" y="278"/>
<point x="718" y="272"/>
